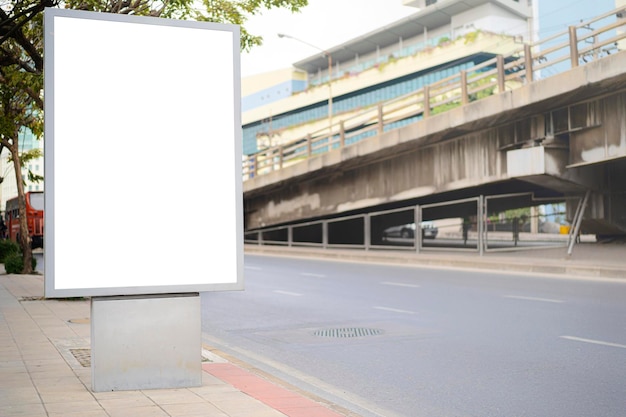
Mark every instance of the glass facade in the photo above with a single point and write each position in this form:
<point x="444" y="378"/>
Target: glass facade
<point x="360" y="99"/>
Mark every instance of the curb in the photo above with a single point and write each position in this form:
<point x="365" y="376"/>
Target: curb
<point x="521" y="261"/>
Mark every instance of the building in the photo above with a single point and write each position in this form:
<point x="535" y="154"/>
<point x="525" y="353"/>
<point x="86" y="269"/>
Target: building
<point x="440" y="39"/>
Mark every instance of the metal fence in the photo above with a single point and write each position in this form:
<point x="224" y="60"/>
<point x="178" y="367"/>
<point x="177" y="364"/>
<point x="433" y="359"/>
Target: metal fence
<point x="470" y="224"/>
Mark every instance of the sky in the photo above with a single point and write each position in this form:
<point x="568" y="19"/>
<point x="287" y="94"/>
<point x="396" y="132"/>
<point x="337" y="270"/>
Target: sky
<point x="323" y="23"/>
<point x="557" y="15"/>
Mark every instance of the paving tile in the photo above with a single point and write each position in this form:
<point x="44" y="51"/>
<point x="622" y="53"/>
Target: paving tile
<point x="50" y="371"/>
<point x="46" y="383"/>
<point x="11" y="359"/>
<point x="151" y="411"/>
<point x="115" y="403"/>
<point x="75" y="396"/>
<point x="73" y="407"/>
<point x="110" y="395"/>
<point x="173" y="396"/>
<point x="231" y="395"/>
<point x="93" y="413"/>
<point x="213" y="390"/>
<point x="208" y="379"/>
<point x="239" y="402"/>
<point x="23" y="395"/>
<point x="38" y="350"/>
<point x="15" y="379"/>
<point x="203" y="409"/>
<point x="42" y="363"/>
<point x="23" y="410"/>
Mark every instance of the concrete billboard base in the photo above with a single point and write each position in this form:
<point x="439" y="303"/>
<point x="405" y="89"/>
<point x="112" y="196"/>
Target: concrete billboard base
<point x="145" y="342"/>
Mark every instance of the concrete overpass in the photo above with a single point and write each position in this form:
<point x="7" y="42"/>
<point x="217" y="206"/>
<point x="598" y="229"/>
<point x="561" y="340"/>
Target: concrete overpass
<point x="554" y="138"/>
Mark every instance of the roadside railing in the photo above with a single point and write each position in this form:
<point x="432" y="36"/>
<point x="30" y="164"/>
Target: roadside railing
<point x="575" y="46"/>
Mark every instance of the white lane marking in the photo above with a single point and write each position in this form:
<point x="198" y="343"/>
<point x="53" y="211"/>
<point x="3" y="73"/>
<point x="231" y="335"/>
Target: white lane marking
<point x="595" y="342"/>
<point x="394" y="310"/>
<point x="254" y="268"/>
<point x="400" y="284"/>
<point x="294" y="294"/>
<point x="310" y="274"/>
<point x="545" y="300"/>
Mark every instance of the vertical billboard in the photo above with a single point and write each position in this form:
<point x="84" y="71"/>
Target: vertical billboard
<point x="142" y="153"/>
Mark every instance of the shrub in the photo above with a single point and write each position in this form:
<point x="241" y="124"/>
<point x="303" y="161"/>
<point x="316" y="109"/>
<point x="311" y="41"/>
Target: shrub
<point x="8" y="247"/>
<point x="14" y="263"/>
<point x="443" y="40"/>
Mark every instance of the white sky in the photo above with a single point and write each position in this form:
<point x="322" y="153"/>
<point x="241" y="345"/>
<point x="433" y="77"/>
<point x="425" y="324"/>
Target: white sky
<point x="323" y="23"/>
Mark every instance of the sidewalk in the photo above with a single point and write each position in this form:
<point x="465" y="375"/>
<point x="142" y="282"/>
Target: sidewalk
<point x="45" y="370"/>
<point x="588" y="260"/>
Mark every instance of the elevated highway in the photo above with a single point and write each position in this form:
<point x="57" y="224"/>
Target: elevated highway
<point x="561" y="138"/>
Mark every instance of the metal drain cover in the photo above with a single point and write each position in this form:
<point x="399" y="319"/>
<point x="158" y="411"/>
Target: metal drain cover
<point x="32" y="298"/>
<point x="347" y="332"/>
<point x="83" y="356"/>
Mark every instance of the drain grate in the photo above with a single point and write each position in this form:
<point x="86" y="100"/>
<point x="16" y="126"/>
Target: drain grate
<point x="83" y="356"/>
<point x="347" y="332"/>
<point x="31" y="298"/>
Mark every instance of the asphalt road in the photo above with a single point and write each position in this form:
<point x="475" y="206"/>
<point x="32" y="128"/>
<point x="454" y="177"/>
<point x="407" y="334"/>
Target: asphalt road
<point x="391" y="341"/>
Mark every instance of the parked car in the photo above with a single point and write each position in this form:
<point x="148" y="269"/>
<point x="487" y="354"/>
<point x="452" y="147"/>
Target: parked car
<point x="407" y="231"/>
<point x="429" y="230"/>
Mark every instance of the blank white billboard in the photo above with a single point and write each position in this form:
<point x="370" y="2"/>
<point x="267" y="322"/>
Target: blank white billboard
<point x="142" y="155"/>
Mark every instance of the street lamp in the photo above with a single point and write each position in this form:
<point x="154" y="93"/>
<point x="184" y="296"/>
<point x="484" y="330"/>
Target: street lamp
<point x="330" y="77"/>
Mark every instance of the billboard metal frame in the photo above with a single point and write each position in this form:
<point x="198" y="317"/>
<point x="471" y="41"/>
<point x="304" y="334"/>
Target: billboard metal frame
<point x="143" y="149"/>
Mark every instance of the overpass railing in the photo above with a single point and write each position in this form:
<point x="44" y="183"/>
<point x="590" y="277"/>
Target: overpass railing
<point x="575" y="46"/>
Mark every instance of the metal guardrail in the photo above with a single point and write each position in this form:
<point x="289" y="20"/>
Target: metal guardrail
<point x="467" y="229"/>
<point x="568" y="49"/>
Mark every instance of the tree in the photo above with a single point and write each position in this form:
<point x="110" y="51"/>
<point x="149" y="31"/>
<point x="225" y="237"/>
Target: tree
<point x="21" y="61"/>
<point x="21" y="83"/>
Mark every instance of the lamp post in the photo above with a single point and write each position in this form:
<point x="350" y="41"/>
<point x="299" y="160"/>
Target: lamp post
<point x="330" y="77"/>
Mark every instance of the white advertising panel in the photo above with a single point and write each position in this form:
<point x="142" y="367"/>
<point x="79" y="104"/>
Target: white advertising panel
<point x="142" y="153"/>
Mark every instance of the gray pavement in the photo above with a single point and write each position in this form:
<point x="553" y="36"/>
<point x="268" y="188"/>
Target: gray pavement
<point x="45" y="343"/>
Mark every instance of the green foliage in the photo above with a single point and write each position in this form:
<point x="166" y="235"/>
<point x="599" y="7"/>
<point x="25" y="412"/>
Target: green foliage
<point x="25" y="158"/>
<point x="482" y="94"/>
<point x="21" y="53"/>
<point x="519" y="213"/>
<point x="442" y="40"/>
<point x="14" y="263"/>
<point x="8" y="247"/>
<point x="471" y="36"/>
<point x="234" y="12"/>
<point x="445" y="107"/>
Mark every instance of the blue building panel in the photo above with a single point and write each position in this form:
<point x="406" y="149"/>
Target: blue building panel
<point x="274" y="93"/>
<point x="360" y="99"/>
